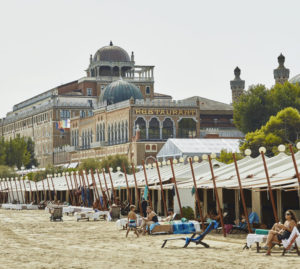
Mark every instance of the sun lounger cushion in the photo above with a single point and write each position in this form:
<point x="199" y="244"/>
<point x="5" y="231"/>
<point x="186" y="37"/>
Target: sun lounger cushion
<point x="261" y="231"/>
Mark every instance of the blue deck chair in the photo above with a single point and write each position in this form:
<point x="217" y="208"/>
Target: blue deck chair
<point x="243" y="227"/>
<point x="198" y="239"/>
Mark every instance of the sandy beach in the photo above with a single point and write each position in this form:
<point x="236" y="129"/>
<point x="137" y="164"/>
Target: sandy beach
<point x="30" y="240"/>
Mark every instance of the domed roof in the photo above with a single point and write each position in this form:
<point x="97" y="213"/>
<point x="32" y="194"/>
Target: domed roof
<point x="295" y="79"/>
<point x="119" y="91"/>
<point x="112" y="53"/>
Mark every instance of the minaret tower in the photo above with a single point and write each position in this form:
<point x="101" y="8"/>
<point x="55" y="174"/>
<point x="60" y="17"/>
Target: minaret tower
<point x="237" y="85"/>
<point x="281" y="74"/>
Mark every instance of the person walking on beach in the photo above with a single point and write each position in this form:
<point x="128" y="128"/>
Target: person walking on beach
<point x="132" y="221"/>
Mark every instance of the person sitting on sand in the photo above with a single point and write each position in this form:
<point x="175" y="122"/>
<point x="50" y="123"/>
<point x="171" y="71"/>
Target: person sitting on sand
<point x="281" y="231"/>
<point x="132" y="221"/>
<point x="170" y="215"/>
<point x="150" y="219"/>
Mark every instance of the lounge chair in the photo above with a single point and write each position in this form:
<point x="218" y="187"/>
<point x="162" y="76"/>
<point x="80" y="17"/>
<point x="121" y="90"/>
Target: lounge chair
<point x="243" y="226"/>
<point x="56" y="213"/>
<point x="198" y="240"/>
<point x="291" y="242"/>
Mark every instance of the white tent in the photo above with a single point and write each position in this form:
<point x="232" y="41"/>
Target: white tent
<point x="191" y="147"/>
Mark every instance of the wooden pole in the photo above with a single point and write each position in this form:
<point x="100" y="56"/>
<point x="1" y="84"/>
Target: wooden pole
<point x="217" y="196"/>
<point x="22" y="195"/>
<point x="17" y="190"/>
<point x="127" y="185"/>
<point x="12" y="192"/>
<point x="295" y="163"/>
<point x="31" y="194"/>
<point x="84" y="188"/>
<point x="72" y="186"/>
<point x="49" y="189"/>
<point x="111" y="182"/>
<point x="137" y="190"/>
<point x="88" y="185"/>
<point x="9" y="194"/>
<point x="55" y="193"/>
<point x="70" y="194"/>
<point x="109" y="201"/>
<point x="270" y="188"/>
<point x="26" y="200"/>
<point x="197" y="194"/>
<point x="175" y="184"/>
<point x="45" y="193"/>
<point x="103" y="193"/>
<point x="242" y="192"/>
<point x="146" y="180"/>
<point x="1" y="192"/>
<point x="77" y="186"/>
<point x="161" y="187"/>
<point x="37" y="192"/>
<point x="95" y="188"/>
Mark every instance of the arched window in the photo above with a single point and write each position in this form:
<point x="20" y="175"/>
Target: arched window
<point x="103" y="132"/>
<point x="108" y="133"/>
<point x="168" y="128"/>
<point x="122" y="132"/>
<point x="142" y="126"/>
<point x="154" y="129"/>
<point x="187" y="128"/>
<point x="126" y="131"/>
<point x="119" y="132"/>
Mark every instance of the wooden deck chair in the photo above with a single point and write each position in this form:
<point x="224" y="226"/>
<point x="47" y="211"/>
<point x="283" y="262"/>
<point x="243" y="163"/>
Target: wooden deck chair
<point x="291" y="242"/>
<point x="198" y="240"/>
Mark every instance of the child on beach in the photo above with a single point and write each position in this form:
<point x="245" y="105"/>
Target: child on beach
<point x="132" y="221"/>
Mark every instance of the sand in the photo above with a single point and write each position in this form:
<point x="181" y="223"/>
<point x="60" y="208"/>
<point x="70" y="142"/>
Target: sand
<point x="30" y="240"/>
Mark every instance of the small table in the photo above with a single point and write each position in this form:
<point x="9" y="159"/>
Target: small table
<point x="255" y="238"/>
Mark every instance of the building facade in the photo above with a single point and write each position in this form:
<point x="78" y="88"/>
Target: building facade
<point x="101" y="114"/>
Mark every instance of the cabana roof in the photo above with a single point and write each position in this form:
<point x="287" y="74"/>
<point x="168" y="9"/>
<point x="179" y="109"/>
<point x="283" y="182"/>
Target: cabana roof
<point x="179" y="147"/>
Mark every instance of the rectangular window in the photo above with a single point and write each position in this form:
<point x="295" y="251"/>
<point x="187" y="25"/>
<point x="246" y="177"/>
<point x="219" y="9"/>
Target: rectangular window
<point x="65" y="114"/>
<point x="82" y="114"/>
<point x="89" y="91"/>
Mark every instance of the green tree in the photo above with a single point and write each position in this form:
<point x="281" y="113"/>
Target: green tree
<point x="255" y="107"/>
<point x="2" y="151"/>
<point x="30" y="149"/>
<point x="284" y="128"/>
<point x="88" y="164"/>
<point x="226" y="156"/>
<point x="250" y="112"/>
<point x="115" y="161"/>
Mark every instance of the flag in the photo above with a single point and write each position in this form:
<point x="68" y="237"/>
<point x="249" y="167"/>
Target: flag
<point x="193" y="190"/>
<point x="146" y="193"/>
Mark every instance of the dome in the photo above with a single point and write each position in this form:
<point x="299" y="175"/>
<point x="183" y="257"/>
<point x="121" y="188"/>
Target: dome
<point x="112" y="53"/>
<point x="119" y="91"/>
<point x="295" y="79"/>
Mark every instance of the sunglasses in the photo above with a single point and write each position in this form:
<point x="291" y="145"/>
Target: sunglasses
<point x="287" y="214"/>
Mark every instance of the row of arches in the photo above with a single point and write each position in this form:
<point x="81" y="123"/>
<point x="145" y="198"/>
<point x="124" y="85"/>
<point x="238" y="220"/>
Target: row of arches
<point x="100" y="132"/>
<point x="86" y="138"/>
<point x="154" y="129"/>
<point x="115" y="71"/>
<point x="117" y="132"/>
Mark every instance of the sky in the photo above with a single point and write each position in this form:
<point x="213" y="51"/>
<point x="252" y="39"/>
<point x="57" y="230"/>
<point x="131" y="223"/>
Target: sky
<point x="195" y="45"/>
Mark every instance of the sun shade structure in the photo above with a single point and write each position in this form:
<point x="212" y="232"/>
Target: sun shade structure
<point x="196" y="147"/>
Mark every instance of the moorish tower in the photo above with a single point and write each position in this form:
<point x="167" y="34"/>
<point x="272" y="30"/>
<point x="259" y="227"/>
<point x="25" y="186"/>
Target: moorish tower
<point x="281" y="74"/>
<point x="237" y="85"/>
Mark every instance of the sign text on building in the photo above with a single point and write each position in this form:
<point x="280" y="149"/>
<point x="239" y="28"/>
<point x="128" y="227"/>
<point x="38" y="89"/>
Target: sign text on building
<point x="169" y="112"/>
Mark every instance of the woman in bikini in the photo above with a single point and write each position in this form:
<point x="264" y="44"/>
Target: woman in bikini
<point x="281" y="231"/>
